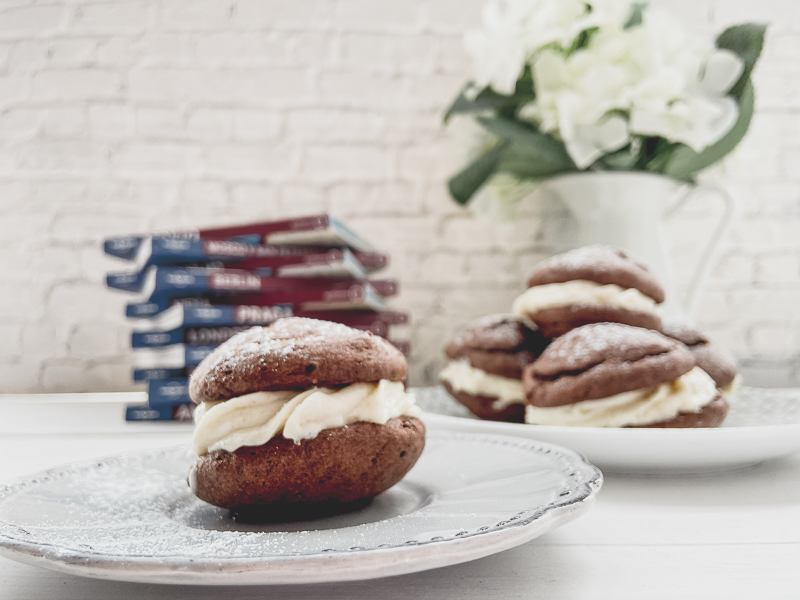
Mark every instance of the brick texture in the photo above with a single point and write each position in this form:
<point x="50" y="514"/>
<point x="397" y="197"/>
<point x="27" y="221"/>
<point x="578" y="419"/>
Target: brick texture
<point x="128" y="116"/>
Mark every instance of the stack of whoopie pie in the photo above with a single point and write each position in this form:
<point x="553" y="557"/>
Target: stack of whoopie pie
<point x="595" y="352"/>
<point x="301" y="418"/>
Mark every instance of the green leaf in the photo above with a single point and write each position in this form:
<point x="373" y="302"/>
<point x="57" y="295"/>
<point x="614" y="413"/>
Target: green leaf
<point x="582" y="40"/>
<point x="658" y="163"/>
<point x="487" y="99"/>
<point x="523" y="90"/>
<point x="637" y="14"/>
<point x="684" y="162"/>
<point x="474" y="175"/>
<point x="655" y="153"/>
<point x="746" y="41"/>
<point x="532" y="154"/>
<point x="622" y="160"/>
<point x="548" y="149"/>
<point x="526" y="162"/>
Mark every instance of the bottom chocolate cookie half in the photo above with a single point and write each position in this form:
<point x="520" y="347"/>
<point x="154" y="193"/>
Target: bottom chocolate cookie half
<point x="483" y="406"/>
<point x="554" y="322"/>
<point x="711" y="415"/>
<point x="341" y="468"/>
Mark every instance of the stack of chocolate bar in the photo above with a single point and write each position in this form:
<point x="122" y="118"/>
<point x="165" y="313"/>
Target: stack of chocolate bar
<point x="193" y="291"/>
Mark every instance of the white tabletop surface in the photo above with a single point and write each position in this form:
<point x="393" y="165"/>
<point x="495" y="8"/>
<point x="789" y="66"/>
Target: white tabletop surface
<point x="727" y="535"/>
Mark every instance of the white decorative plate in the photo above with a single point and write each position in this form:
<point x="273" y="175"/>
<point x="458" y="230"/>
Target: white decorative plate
<point x="762" y="424"/>
<point x="132" y="518"/>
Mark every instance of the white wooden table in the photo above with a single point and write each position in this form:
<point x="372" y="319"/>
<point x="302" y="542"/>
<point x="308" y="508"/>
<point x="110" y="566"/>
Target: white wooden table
<point x="729" y="535"/>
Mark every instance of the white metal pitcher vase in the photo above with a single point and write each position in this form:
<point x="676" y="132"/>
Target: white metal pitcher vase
<point x="628" y="210"/>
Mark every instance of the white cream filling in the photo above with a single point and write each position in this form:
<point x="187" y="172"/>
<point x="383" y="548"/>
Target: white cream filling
<point x="254" y="419"/>
<point x="463" y="377"/>
<point x="581" y="293"/>
<point x="688" y="393"/>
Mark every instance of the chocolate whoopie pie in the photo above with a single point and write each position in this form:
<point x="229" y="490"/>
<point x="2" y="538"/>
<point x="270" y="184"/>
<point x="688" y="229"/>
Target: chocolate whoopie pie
<point x="714" y="360"/>
<point x="300" y="419"/>
<point x="613" y="375"/>
<point x="593" y="284"/>
<point x="486" y="363"/>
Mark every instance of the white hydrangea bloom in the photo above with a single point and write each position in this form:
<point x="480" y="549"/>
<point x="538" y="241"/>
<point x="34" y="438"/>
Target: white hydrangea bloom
<point x="497" y="50"/>
<point x="587" y="143"/>
<point x="695" y="121"/>
<point x="669" y="84"/>
<point x="515" y="30"/>
<point x="682" y="96"/>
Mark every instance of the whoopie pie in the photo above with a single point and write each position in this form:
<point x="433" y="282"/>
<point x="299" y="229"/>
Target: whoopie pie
<point x="302" y="417"/>
<point x="486" y="362"/>
<point x="613" y="375"/>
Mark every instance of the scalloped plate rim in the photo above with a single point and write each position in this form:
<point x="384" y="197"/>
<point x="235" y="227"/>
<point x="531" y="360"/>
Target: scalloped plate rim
<point x="290" y="569"/>
<point x="619" y="450"/>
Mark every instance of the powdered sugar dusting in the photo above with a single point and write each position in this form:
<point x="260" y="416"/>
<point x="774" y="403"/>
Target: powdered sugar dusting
<point x="497" y="333"/>
<point x="591" y="345"/>
<point x="135" y="516"/>
<point x="683" y="332"/>
<point x="285" y="337"/>
<point x="289" y="338"/>
<point x="595" y="256"/>
<point x="491" y="332"/>
<point x="600" y="264"/>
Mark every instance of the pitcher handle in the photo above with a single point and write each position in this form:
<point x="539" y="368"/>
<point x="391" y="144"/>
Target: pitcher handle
<point x="711" y="249"/>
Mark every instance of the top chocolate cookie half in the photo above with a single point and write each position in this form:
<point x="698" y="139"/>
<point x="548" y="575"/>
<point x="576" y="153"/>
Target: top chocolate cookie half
<point x="498" y="344"/>
<point x="502" y="332"/>
<point x="602" y="360"/>
<point x="600" y="264"/>
<point x="295" y="353"/>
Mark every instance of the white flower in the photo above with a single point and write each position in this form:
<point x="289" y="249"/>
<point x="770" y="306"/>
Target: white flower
<point x="695" y="121"/>
<point x="574" y="97"/>
<point x="589" y="142"/>
<point x="550" y="21"/>
<point x="722" y="70"/>
<point x="497" y="50"/>
<point x="515" y="30"/>
<point x="683" y="96"/>
<point x="573" y="91"/>
<point x="668" y="83"/>
<point x="652" y="79"/>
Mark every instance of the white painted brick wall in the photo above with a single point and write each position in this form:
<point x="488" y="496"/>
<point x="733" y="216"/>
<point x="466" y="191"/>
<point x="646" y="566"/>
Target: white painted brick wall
<point x="127" y="116"/>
